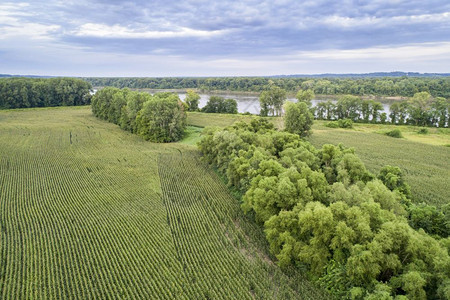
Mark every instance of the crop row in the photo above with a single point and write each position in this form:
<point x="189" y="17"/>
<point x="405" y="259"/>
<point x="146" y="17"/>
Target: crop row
<point x="88" y="211"/>
<point x="69" y="232"/>
<point x="210" y="245"/>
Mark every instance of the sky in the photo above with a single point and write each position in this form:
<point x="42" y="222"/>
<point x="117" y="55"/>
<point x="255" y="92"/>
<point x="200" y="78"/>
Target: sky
<point x="223" y="38"/>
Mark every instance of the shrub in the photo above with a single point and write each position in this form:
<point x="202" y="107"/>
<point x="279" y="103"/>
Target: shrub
<point x="343" y="123"/>
<point x="395" y="133"/>
<point x="423" y="131"/>
<point x="332" y="124"/>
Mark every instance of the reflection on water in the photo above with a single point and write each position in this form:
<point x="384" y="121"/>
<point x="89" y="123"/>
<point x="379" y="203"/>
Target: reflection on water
<point x="250" y="103"/>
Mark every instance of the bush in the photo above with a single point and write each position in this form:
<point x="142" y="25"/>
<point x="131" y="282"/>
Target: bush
<point x="343" y="123"/>
<point x="332" y="124"/>
<point x="396" y="133"/>
<point x="423" y="131"/>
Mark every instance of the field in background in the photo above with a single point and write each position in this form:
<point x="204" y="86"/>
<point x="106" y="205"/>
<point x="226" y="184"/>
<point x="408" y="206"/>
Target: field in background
<point x="90" y="211"/>
<point x="221" y="120"/>
<point x="435" y="136"/>
<point x="426" y="167"/>
<point x="423" y="158"/>
<point x="199" y="119"/>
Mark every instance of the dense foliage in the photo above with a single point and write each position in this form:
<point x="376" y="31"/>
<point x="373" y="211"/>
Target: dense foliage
<point x="385" y="86"/>
<point x="158" y="118"/>
<point x="305" y="96"/>
<point x="349" y="107"/>
<point x="419" y="110"/>
<point x="298" y="118"/>
<point x="217" y="104"/>
<point x="31" y="92"/>
<point x="425" y="165"/>
<point x="323" y="211"/>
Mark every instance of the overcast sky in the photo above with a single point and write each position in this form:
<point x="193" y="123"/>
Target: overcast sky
<point x="223" y="38"/>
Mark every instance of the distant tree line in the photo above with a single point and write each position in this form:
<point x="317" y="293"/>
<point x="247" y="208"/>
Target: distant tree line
<point x="420" y="110"/>
<point x="355" y="232"/>
<point x="32" y="92"/>
<point x="158" y="118"/>
<point x="385" y="86"/>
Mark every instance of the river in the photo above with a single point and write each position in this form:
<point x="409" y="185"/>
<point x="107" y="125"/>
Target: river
<point x="250" y="103"/>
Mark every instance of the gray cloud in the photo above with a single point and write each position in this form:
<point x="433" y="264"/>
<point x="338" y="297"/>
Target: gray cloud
<point x="218" y="32"/>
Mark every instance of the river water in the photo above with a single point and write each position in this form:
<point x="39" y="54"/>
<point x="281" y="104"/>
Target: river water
<point x="250" y="103"/>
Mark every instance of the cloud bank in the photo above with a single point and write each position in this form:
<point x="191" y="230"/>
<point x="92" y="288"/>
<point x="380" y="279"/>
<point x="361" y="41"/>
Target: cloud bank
<point x="229" y="38"/>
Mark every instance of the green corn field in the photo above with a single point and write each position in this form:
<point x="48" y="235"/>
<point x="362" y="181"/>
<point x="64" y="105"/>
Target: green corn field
<point x="88" y="211"/>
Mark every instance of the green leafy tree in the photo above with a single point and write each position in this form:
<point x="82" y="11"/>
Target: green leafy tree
<point x="230" y="106"/>
<point x="348" y="107"/>
<point x="377" y="107"/>
<point x="440" y="109"/>
<point x="40" y="92"/>
<point x="272" y="101"/>
<point x="102" y="102"/>
<point x="393" y="179"/>
<point x="135" y="101"/>
<point x="418" y="107"/>
<point x="325" y="213"/>
<point x="218" y="104"/>
<point x="162" y="118"/>
<point x="351" y="169"/>
<point x="298" y="119"/>
<point x="430" y="219"/>
<point x="192" y="100"/>
<point x="305" y="96"/>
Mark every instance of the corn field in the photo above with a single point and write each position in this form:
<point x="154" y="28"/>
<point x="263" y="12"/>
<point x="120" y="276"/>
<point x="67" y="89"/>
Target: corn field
<point x="88" y="211"/>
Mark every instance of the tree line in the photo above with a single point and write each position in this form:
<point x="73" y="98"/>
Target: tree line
<point x="420" y="110"/>
<point x="215" y="104"/>
<point x="158" y="118"/>
<point x="40" y="92"/>
<point x="385" y="86"/>
<point x="355" y="232"/>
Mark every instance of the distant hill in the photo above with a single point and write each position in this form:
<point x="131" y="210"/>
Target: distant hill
<point x="366" y="75"/>
<point x="325" y="75"/>
<point x="28" y="76"/>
